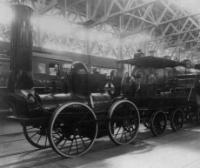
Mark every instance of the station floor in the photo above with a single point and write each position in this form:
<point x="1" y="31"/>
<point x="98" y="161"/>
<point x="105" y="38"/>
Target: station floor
<point x="171" y="150"/>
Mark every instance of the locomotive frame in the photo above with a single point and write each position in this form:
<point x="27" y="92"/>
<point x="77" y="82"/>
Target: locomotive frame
<point x="70" y="122"/>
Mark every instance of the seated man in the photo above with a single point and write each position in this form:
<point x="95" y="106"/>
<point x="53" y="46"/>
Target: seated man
<point x="129" y="85"/>
<point x="125" y="84"/>
<point x="133" y="86"/>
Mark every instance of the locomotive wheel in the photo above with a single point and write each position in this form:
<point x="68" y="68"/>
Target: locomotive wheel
<point x="176" y="120"/>
<point x="158" y="123"/>
<point x="36" y="136"/>
<point x="123" y="122"/>
<point x="73" y="129"/>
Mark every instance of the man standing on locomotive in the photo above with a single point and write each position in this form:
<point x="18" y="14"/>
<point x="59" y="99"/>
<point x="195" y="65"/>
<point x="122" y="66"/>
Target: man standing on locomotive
<point x="139" y="54"/>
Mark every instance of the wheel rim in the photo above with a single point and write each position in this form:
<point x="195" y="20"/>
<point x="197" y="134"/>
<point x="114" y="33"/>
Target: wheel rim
<point x="177" y="120"/>
<point x="73" y="131"/>
<point x="123" y="123"/>
<point x="159" y="123"/>
<point x="36" y="136"/>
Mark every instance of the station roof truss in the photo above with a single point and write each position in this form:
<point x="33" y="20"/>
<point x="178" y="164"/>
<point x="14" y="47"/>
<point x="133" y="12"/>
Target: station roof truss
<point x="162" y="19"/>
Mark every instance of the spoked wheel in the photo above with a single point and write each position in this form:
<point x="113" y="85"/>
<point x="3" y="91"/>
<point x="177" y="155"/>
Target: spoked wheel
<point x="176" y="120"/>
<point x="73" y="129"/>
<point x="158" y="123"/>
<point x="123" y="122"/>
<point x="36" y="136"/>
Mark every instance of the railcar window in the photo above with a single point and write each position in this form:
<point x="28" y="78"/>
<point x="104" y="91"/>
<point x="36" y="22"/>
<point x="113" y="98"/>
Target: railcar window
<point x="54" y="69"/>
<point x="41" y="68"/>
<point x="66" y="67"/>
<point x="105" y="71"/>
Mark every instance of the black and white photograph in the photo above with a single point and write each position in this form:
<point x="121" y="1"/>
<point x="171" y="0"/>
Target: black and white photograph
<point x="99" y="83"/>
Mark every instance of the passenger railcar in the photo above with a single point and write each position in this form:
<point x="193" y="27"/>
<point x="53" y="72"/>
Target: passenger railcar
<point x="50" y="68"/>
<point x="162" y="92"/>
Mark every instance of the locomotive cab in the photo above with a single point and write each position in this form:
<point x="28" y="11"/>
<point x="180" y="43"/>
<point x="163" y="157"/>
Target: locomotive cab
<point x="80" y="83"/>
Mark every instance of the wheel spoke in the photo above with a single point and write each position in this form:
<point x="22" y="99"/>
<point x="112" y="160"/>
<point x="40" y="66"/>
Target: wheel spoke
<point x="30" y="128"/>
<point x="46" y="140"/>
<point x="125" y="136"/>
<point x="57" y="138"/>
<point x="71" y="146"/>
<point x="118" y="131"/>
<point x="121" y="135"/>
<point x="39" y="138"/>
<point x="62" y="146"/>
<point x="82" y="141"/>
<point x="76" y="144"/>
<point x="34" y="135"/>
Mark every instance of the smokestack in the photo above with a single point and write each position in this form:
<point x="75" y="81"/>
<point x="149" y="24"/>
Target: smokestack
<point x="21" y="49"/>
<point x="21" y="39"/>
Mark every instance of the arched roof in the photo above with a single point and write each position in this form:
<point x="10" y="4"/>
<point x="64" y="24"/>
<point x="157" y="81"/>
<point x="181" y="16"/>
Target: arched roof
<point x="164" y="20"/>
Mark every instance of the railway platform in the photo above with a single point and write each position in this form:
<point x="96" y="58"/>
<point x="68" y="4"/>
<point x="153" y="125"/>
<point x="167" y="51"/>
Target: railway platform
<point x="171" y="150"/>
